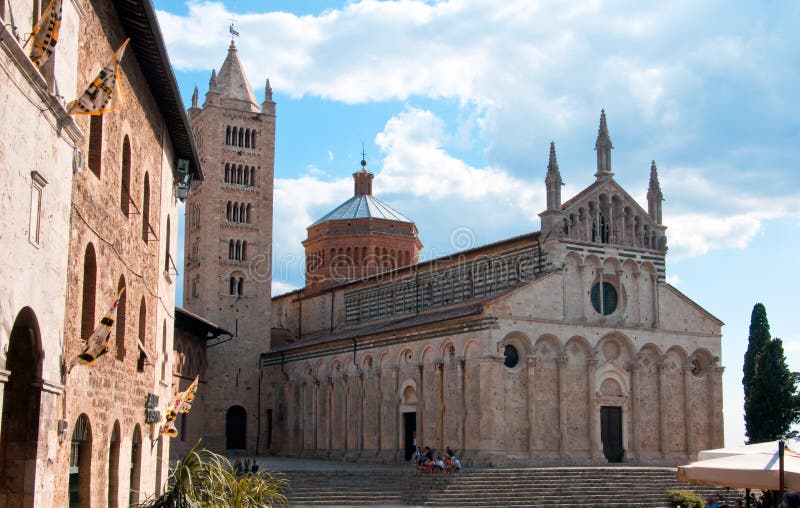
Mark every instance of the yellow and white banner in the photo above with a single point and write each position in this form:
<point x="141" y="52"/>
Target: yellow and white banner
<point x="97" y="343"/>
<point x="45" y="33"/>
<point x="181" y="404"/>
<point x="104" y="93"/>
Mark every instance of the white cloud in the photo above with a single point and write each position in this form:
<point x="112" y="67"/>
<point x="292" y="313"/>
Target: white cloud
<point x="673" y="280"/>
<point x="280" y="287"/>
<point x="330" y="155"/>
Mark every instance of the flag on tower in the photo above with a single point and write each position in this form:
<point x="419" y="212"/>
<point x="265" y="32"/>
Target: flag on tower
<point x="97" y="343"/>
<point x="45" y="33"/>
<point x="104" y="93"/>
<point x="181" y="404"/>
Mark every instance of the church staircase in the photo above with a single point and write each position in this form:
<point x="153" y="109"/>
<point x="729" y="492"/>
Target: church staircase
<point x="573" y="487"/>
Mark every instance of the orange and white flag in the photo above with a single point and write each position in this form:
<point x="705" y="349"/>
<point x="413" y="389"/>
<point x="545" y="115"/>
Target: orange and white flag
<point x="45" y="33"/>
<point x="182" y="403"/>
<point x="97" y="343"/>
<point x="104" y="93"/>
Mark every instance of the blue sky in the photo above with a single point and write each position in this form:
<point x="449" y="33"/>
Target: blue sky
<point x="456" y="103"/>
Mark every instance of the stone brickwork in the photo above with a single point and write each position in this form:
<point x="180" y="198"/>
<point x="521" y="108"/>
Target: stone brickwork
<point x="228" y="241"/>
<point x="94" y="211"/>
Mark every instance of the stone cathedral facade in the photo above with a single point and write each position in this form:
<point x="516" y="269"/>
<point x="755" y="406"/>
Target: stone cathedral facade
<point x="561" y="346"/>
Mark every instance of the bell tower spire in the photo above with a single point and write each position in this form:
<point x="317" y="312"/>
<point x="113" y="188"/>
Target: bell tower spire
<point x="603" y="146"/>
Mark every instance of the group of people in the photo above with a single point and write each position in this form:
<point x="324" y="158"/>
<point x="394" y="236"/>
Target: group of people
<point x="789" y="500"/>
<point x="246" y="467"/>
<point x="425" y="461"/>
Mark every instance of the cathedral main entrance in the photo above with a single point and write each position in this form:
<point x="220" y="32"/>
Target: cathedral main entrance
<point x="611" y="432"/>
<point x="409" y="434"/>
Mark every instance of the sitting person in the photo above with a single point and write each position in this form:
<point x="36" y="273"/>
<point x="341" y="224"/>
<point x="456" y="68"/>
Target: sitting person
<point x="439" y="464"/>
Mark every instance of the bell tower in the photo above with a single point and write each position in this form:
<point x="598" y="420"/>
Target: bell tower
<point x="228" y="242"/>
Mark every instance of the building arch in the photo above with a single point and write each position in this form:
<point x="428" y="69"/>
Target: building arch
<point x="227" y="134"/>
<point x="626" y="349"/>
<point x="119" y="338"/>
<point x="136" y="466"/>
<point x="88" y="292"/>
<point x="80" y="464"/>
<point x="236" y="428"/>
<point x="428" y="355"/>
<point x="146" y="209"/>
<point x="113" y="466"/>
<point x="19" y="434"/>
<point x="125" y="179"/>
<point x="547" y="345"/>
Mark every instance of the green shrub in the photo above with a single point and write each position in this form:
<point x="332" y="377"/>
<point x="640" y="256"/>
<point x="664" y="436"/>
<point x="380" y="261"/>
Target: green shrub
<point x="685" y="499"/>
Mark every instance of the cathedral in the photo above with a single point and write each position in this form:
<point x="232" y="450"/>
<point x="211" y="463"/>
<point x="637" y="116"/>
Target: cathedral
<point x="559" y="346"/>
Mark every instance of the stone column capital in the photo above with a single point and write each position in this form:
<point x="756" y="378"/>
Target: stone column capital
<point x="532" y="360"/>
<point x="562" y="360"/>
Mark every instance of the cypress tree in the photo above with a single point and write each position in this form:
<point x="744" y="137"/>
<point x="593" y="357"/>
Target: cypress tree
<point x="759" y="336"/>
<point x="773" y="404"/>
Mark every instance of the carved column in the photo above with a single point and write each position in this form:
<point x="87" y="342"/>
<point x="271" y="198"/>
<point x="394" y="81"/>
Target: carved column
<point x="439" y="369"/>
<point x="633" y="367"/>
<point x="582" y="299"/>
<point x="361" y="423"/>
<point x="531" y="360"/>
<point x="379" y="403"/>
<point x="460" y="366"/>
<point x="688" y="413"/>
<point x="591" y="367"/>
<point x="562" y="402"/>
<point x="715" y="371"/>
<point x="422" y="408"/>
<point x="637" y="296"/>
<point x="663" y="367"/>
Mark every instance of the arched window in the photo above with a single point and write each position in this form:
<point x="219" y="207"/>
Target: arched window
<point x="252" y="176"/>
<point x="166" y="248"/>
<point x="80" y="463"/>
<point x="247" y="214"/>
<point x="228" y="213"/>
<point x="232" y="286"/>
<point x="233" y="136"/>
<point x="95" y="144"/>
<point x="230" y="250"/>
<point x="237" y="251"/>
<point x="113" y="467"/>
<point x="247" y="138"/>
<point x="146" y="209"/>
<point x="253" y="139"/>
<point x="227" y="172"/>
<point x="88" y="294"/>
<point x="121" y="310"/>
<point x="241" y="138"/>
<point x="244" y="251"/>
<point x="228" y="135"/>
<point x="164" y="352"/>
<point x="239" y="175"/>
<point x="240" y="286"/>
<point x="241" y="213"/>
<point x="136" y="466"/>
<point x="142" y="334"/>
<point x="246" y="178"/>
<point x="125" y="181"/>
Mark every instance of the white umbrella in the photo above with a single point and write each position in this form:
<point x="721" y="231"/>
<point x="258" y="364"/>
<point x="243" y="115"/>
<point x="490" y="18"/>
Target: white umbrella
<point x="745" y="471"/>
<point x="767" y="447"/>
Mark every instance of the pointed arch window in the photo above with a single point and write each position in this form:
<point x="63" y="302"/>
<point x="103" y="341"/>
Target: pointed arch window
<point x="125" y="181"/>
<point x="121" y="309"/>
<point x="142" y="335"/>
<point x="88" y="293"/>
<point x="146" y="209"/>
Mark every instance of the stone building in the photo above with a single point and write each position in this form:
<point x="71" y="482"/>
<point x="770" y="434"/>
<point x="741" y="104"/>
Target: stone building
<point x="194" y="335"/>
<point x="228" y="241"/>
<point x="561" y="346"/>
<point x="89" y="206"/>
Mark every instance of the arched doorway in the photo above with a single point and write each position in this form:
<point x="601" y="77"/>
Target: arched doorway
<point x="80" y="464"/>
<point x="136" y="466"/>
<point x="236" y="428"/>
<point x="113" y="467"/>
<point x="408" y="409"/>
<point x="20" y="420"/>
